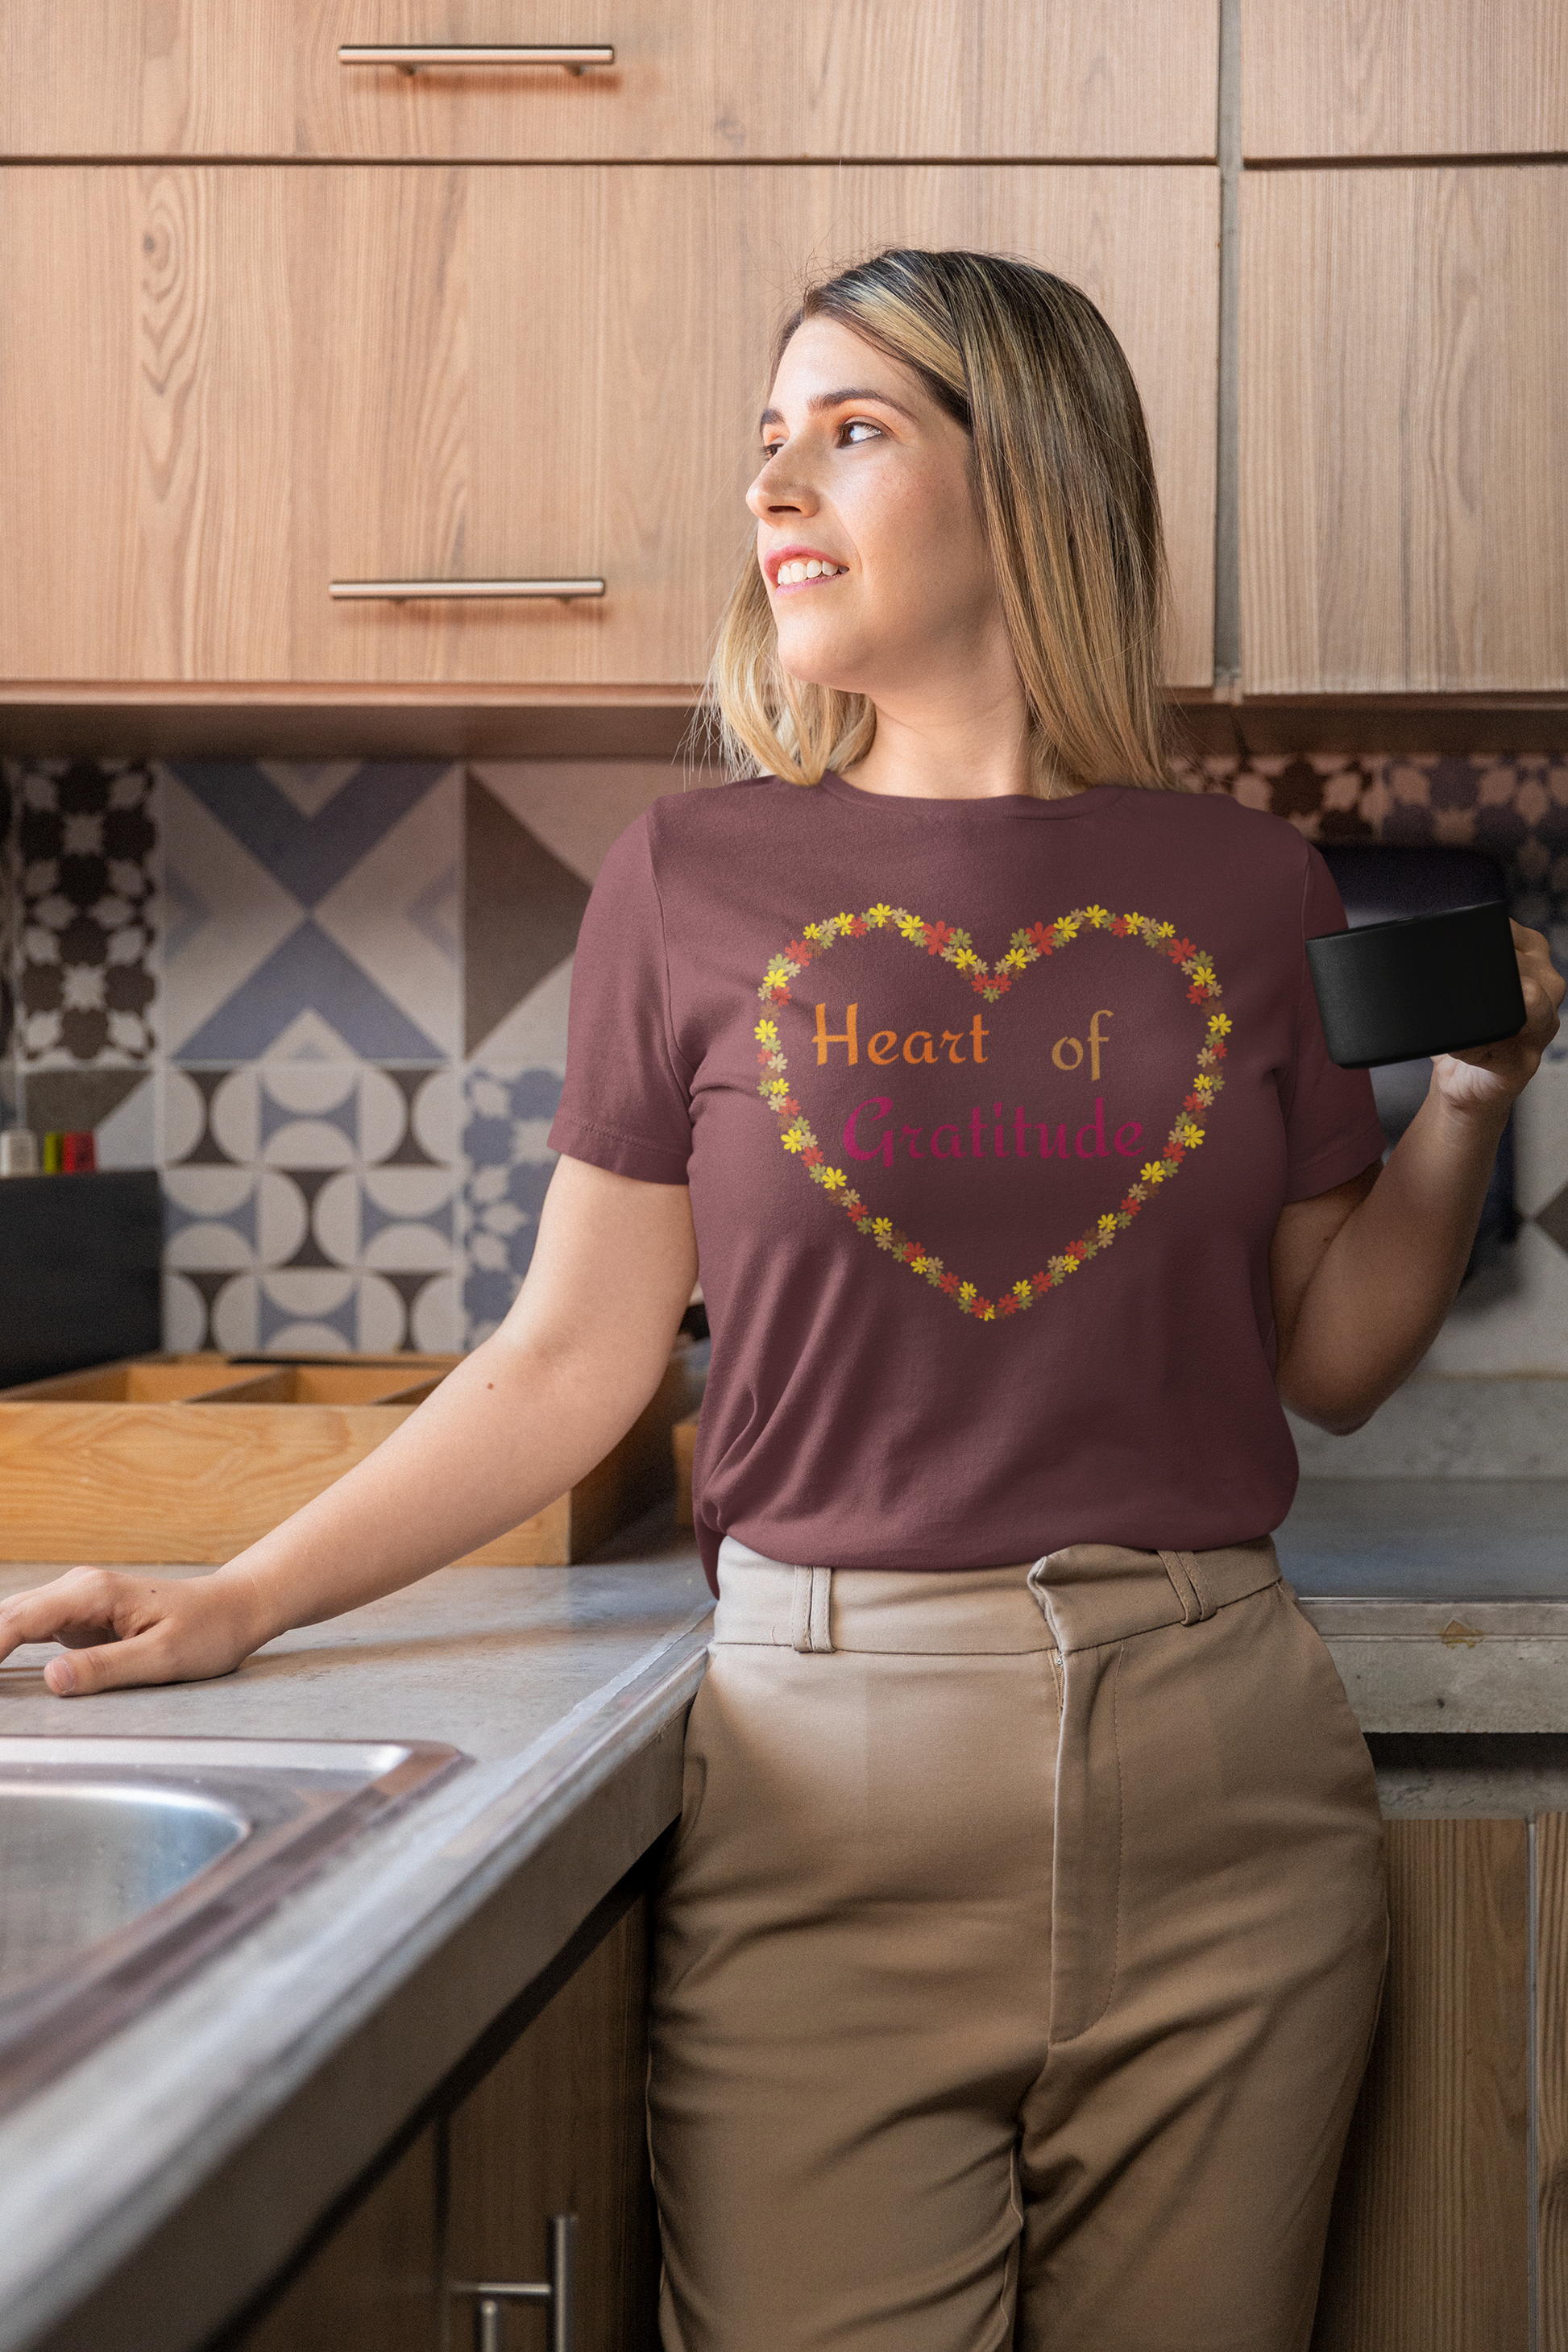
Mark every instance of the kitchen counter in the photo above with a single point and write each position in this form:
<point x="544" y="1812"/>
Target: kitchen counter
<point x="1444" y="1602"/>
<point x="205" y="2140"/>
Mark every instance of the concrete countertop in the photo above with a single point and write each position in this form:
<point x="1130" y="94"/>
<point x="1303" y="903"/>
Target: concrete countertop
<point x="205" y="2140"/>
<point x="1444" y="1602"/>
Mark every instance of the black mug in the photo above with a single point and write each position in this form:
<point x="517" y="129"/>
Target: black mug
<point x="1428" y="984"/>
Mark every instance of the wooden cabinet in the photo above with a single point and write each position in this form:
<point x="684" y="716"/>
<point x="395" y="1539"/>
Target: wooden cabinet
<point x="1400" y="78"/>
<point x="263" y="380"/>
<point x="1429" y="2247"/>
<point x="1404" y="413"/>
<point x="729" y="79"/>
<point x="556" y="2126"/>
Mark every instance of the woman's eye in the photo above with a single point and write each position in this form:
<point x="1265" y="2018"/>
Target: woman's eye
<point x="771" y="450"/>
<point x="860" y="426"/>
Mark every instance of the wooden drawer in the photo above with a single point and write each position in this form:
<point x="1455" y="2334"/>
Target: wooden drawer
<point x="262" y="380"/>
<point x="729" y="79"/>
<point x="179" y="1460"/>
<point x="1326" y="77"/>
<point x="1404" y="413"/>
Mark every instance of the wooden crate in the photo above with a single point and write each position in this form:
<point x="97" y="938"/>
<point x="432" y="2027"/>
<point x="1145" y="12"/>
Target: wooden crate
<point x="184" y="1460"/>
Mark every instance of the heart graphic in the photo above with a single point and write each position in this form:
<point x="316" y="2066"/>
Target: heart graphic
<point x="992" y="982"/>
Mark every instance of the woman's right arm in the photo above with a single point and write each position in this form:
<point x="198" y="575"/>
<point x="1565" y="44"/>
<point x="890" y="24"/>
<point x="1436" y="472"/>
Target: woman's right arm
<point x="510" y="1428"/>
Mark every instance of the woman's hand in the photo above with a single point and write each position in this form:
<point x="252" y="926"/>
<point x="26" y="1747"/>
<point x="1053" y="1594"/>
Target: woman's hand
<point x="136" y="1629"/>
<point x="1491" y="1076"/>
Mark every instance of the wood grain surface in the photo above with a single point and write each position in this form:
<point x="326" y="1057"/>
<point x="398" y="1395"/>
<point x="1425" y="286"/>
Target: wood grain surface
<point x="559" y="2126"/>
<point x="192" y="1483"/>
<point x="1404" y="414"/>
<point x="1326" y="77"/>
<point x="375" y="2286"/>
<point x="262" y="380"/>
<point x="1428" y="2248"/>
<point x="1552" y="2081"/>
<point x="727" y="79"/>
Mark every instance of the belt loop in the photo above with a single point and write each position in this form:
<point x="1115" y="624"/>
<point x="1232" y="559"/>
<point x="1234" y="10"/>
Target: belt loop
<point x="1182" y="1568"/>
<point x="808" y="1628"/>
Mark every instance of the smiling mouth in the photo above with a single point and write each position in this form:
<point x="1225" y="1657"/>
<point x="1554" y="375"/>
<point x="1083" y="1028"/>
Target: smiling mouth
<point x="804" y="572"/>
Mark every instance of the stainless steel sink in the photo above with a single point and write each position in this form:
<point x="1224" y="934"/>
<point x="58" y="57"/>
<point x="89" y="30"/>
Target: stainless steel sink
<point x="126" y="1863"/>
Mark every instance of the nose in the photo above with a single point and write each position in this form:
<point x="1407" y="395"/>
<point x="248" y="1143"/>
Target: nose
<point x="779" y="488"/>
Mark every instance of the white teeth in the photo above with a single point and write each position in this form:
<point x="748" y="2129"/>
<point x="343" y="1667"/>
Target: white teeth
<point x="806" y="568"/>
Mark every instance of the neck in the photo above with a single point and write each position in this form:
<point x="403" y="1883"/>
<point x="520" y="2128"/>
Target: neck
<point x="977" y="750"/>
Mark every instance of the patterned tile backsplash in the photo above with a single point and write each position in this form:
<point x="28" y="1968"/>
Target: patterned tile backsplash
<point x="329" y="1002"/>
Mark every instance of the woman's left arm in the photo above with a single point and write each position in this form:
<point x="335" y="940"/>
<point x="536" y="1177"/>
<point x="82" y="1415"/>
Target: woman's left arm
<point x="1364" y="1275"/>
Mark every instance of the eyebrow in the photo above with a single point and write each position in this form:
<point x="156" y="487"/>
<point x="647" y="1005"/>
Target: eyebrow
<point x="821" y="400"/>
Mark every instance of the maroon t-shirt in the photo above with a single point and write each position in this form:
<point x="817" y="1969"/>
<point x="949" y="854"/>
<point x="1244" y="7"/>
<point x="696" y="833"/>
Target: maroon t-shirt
<point x="988" y="1110"/>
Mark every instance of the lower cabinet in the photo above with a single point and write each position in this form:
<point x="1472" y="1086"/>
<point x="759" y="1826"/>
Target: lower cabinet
<point x="555" y="2126"/>
<point x="1451" y="2224"/>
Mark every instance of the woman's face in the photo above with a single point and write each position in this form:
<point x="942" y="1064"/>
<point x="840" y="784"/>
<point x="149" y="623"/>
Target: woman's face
<point x="876" y="560"/>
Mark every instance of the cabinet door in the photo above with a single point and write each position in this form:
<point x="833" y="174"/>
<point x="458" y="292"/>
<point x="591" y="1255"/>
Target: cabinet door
<point x="559" y="2126"/>
<point x="1326" y="77"/>
<point x="1552" y="2081"/>
<point x="722" y="78"/>
<point x="222" y="389"/>
<point x="375" y="2286"/>
<point x="1404" y="413"/>
<point x="1429" y="2244"/>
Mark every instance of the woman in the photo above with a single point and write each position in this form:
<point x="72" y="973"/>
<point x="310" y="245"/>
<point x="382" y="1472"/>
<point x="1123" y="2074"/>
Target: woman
<point x="1022" y="1940"/>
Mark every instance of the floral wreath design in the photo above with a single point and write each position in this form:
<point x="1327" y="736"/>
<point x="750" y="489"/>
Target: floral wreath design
<point x="992" y="982"/>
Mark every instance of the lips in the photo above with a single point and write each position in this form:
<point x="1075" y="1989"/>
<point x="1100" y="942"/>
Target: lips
<point x="801" y="567"/>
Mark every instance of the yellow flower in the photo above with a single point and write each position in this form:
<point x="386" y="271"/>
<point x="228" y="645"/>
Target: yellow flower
<point x="793" y="1141"/>
<point x="1108" y="1223"/>
<point x="878" y="914"/>
<point x="912" y="927"/>
<point x="766" y="1032"/>
<point x="1190" y="1135"/>
<point x="1165" y="930"/>
<point x="1097" y="916"/>
<point x="1024" y="1290"/>
<point x="1132" y="918"/>
<point x="1219" y="1024"/>
<point x="1203" y="1084"/>
<point x="811" y="932"/>
<point x="1154" y="1172"/>
<point x="967" y="1290"/>
<point x="834" y="1178"/>
<point x="881" y="1225"/>
<point x="1067" y="927"/>
<point x="920" y="1264"/>
<point x="988" y="1315"/>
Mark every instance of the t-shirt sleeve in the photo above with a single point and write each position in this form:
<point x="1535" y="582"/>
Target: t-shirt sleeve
<point x="1332" y="1130"/>
<point x="626" y="1105"/>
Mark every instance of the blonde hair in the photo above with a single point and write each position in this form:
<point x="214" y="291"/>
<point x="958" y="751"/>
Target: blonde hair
<point x="1065" y="485"/>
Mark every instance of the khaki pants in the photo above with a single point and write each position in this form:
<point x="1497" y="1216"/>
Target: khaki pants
<point x="1016" y="1960"/>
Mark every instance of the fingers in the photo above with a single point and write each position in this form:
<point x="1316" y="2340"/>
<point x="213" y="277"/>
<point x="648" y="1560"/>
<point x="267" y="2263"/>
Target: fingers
<point x="84" y="1605"/>
<point x="113" y="1667"/>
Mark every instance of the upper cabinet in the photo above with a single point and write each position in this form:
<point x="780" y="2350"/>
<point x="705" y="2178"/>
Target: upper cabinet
<point x="266" y="381"/>
<point x="1404" y="78"/>
<point x="687" y="80"/>
<point x="1404" y="417"/>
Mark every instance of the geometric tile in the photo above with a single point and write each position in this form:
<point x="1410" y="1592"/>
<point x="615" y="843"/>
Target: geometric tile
<point x="533" y="1035"/>
<point x="508" y="1165"/>
<point x="521" y="912"/>
<point x="307" y="853"/>
<point x="1552" y="1219"/>
<point x="397" y="914"/>
<point x="230" y="914"/>
<point x="85" y="847"/>
<point x="577" y="808"/>
<point x="310" y="972"/>
<point x="324" y="1194"/>
<point x="62" y="1099"/>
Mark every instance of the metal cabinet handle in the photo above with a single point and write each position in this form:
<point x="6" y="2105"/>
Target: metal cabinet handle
<point x="403" y="591"/>
<point x="408" y="57"/>
<point x="556" y="2293"/>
